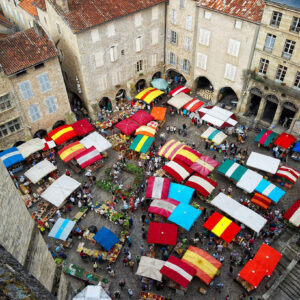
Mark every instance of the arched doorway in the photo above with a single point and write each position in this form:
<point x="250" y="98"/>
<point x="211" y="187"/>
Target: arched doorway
<point x="204" y="88"/>
<point x="18" y="143"/>
<point x="78" y="107"/>
<point x="156" y="75"/>
<point x="105" y="103"/>
<point x="41" y="133"/>
<point x="270" y="108"/>
<point x="255" y="98"/>
<point x="140" y="85"/>
<point x="287" y="115"/>
<point x="228" y="97"/>
<point x="58" y="123"/>
<point x="175" y="79"/>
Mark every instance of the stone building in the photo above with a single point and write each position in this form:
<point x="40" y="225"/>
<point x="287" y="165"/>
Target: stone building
<point x="33" y="94"/>
<point x="6" y="27"/>
<point x="273" y="91"/>
<point x="107" y="49"/>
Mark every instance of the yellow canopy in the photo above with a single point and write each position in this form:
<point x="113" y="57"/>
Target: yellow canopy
<point x="149" y="94"/>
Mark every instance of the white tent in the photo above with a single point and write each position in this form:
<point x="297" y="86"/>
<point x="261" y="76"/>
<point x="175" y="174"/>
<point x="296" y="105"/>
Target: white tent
<point x="263" y="162"/>
<point x="92" y="292"/>
<point x="239" y="212"/>
<point x="31" y="147"/>
<point x="214" y="135"/>
<point x="249" y="181"/>
<point x="40" y="170"/>
<point x="60" y="189"/>
<point x="97" y="140"/>
<point x="180" y="100"/>
<point x="150" y="267"/>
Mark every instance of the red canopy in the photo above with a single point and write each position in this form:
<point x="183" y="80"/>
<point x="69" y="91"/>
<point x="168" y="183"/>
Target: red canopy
<point x="178" y="90"/>
<point x="88" y="157"/>
<point x="141" y="117"/>
<point x="201" y="184"/>
<point x="285" y="140"/>
<point x="292" y="214"/>
<point x="62" y="134"/>
<point x="127" y="126"/>
<point x="253" y="272"/>
<point x="162" y="233"/>
<point x="82" y="127"/>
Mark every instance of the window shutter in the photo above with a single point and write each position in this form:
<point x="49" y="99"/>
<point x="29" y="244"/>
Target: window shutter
<point x="138" y="20"/>
<point x="173" y="16"/>
<point x="230" y="71"/>
<point x="233" y="47"/>
<point x="189" y="23"/>
<point x="154" y="60"/>
<point x="204" y="37"/>
<point x="154" y="13"/>
<point x="169" y="36"/>
<point x="201" y="60"/>
<point x="116" y="52"/>
<point x="187" y="43"/>
<point x="181" y="63"/>
<point x="154" y="36"/>
<point x="138" y="44"/>
<point x="95" y="35"/>
<point x="168" y="58"/>
<point x="99" y="61"/>
<point x="176" y="59"/>
<point x="145" y="64"/>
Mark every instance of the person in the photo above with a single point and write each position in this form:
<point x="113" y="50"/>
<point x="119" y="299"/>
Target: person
<point x="67" y="172"/>
<point x="121" y="283"/>
<point x="95" y="266"/>
<point x="117" y="294"/>
<point x="130" y="292"/>
<point x="131" y="265"/>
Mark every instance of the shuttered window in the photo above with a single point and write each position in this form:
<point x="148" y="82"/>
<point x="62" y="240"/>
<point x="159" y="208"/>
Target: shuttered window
<point x="25" y="89"/>
<point x="34" y="112"/>
<point x="201" y="61"/>
<point x="44" y="82"/>
<point x="189" y="23"/>
<point x="154" y="36"/>
<point x="103" y="83"/>
<point x="230" y="71"/>
<point x="51" y="105"/>
<point x="99" y="60"/>
<point x="173" y="16"/>
<point x="138" y="44"/>
<point x="187" y="43"/>
<point x="113" y="52"/>
<point x="204" y="37"/>
<point x="233" y="47"/>
<point x="95" y="35"/>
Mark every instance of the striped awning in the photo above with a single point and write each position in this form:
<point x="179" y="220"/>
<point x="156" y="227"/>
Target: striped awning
<point x="178" y="170"/>
<point x="88" y="157"/>
<point x="61" y="229"/>
<point x="178" y="90"/>
<point x="232" y="170"/>
<point x="193" y="105"/>
<point x="187" y="155"/>
<point x="62" y="134"/>
<point x="270" y="190"/>
<point x="261" y="200"/>
<point x="203" y="185"/>
<point x="293" y="214"/>
<point x="170" y="149"/>
<point x="11" y="156"/>
<point x="214" y="135"/>
<point x="158" y="187"/>
<point x="141" y="143"/>
<point x="146" y="130"/>
<point x="288" y="173"/>
<point x="265" y="137"/>
<point x="204" y="165"/>
<point x="163" y="207"/>
<point x="149" y="94"/>
<point x="70" y="151"/>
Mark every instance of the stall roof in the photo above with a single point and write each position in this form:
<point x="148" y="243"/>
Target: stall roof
<point x="297" y="147"/>
<point x="239" y="212"/>
<point x="178" y="170"/>
<point x="170" y="149"/>
<point x="285" y="140"/>
<point x="265" y="137"/>
<point x="163" y="207"/>
<point x="69" y="152"/>
<point x="11" y="156"/>
<point x="141" y="143"/>
<point x="180" y="100"/>
<point x="204" y="165"/>
<point x="263" y="162"/>
<point x="150" y="267"/>
<point x="127" y="126"/>
<point x="214" y="135"/>
<point x="97" y="140"/>
<point x="82" y="127"/>
<point x="157" y="187"/>
<point x="187" y="155"/>
<point x="62" y="134"/>
<point x="31" y="147"/>
<point x="158" y="113"/>
<point x="201" y="184"/>
<point x="92" y="292"/>
<point x="141" y="117"/>
<point x="180" y="192"/>
<point x="88" y="157"/>
<point x="61" y="229"/>
<point x="253" y="273"/>
<point x="162" y="233"/>
<point x="149" y="94"/>
<point x="106" y="238"/>
<point x="269" y="190"/>
<point x="60" y="190"/>
<point x="193" y="105"/>
<point x="293" y="214"/>
<point x="40" y="170"/>
<point x="178" y="90"/>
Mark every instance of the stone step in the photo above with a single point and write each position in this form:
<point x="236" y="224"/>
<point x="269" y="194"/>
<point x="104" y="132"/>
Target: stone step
<point x="289" y="289"/>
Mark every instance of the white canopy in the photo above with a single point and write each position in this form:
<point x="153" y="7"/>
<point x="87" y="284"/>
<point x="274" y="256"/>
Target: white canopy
<point x="217" y="116"/>
<point x="60" y="189"/>
<point x="239" y="212"/>
<point x="210" y="134"/>
<point x="263" y="162"/>
<point x="249" y="181"/>
<point x="97" y="140"/>
<point x="180" y="100"/>
<point x="40" y="170"/>
<point x="31" y="147"/>
<point x="92" y="292"/>
<point x="150" y="267"/>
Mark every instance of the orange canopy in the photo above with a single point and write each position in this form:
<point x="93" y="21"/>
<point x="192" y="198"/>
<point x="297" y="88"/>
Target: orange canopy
<point x="158" y="113"/>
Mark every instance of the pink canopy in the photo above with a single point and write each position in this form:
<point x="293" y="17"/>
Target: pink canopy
<point x="204" y="165"/>
<point x="158" y="187"/>
<point x="141" y="117"/>
<point x="82" y="127"/>
<point x="127" y="126"/>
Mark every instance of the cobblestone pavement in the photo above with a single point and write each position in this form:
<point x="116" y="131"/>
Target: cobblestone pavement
<point x="132" y="281"/>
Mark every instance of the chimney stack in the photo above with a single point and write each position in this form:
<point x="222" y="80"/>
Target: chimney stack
<point x="37" y="29"/>
<point x="64" y="5"/>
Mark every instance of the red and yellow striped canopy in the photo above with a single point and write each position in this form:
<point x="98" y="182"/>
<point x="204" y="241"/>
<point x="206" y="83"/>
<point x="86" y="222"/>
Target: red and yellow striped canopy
<point x="149" y="94"/>
<point x="62" y="134"/>
<point x="70" y="151"/>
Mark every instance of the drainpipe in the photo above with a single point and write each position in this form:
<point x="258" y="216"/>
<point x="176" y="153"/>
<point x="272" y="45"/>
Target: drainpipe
<point x="165" y="38"/>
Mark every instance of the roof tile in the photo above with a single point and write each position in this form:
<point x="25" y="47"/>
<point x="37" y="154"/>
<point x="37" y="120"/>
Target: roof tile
<point x="28" y="6"/>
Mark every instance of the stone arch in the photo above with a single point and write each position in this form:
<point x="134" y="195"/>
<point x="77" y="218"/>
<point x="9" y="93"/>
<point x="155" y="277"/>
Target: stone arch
<point x="156" y="75"/>
<point x="140" y="85"/>
<point x="204" y="88"/>
<point x="256" y="91"/>
<point x="41" y="133"/>
<point x="227" y="97"/>
<point x="58" y="123"/>
<point x="175" y="78"/>
<point x="288" y="113"/>
<point x="272" y="102"/>
<point x="18" y="143"/>
<point x="104" y="103"/>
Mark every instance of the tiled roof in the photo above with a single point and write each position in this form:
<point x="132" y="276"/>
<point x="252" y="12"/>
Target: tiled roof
<point x="28" y="6"/>
<point x="5" y="21"/>
<point x="250" y="10"/>
<point x="84" y="14"/>
<point x="25" y="49"/>
<point x="40" y="4"/>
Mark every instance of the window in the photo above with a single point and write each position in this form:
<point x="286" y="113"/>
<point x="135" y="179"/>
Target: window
<point x="111" y="30"/>
<point x="189" y="23"/>
<point x="5" y="102"/>
<point x="288" y="49"/>
<point x="173" y="37"/>
<point x="185" y="65"/>
<point x="95" y="35"/>
<point x="10" y="127"/>
<point x="154" y="36"/>
<point x="173" y="16"/>
<point x="204" y="37"/>
<point x="57" y="28"/>
<point x="138" y="20"/>
<point x="238" y="24"/>
<point x="113" y="52"/>
<point x="22" y="19"/>
<point x="139" y="66"/>
<point x="270" y="41"/>
<point x="233" y="47"/>
<point x="99" y="59"/>
<point x="154" y="13"/>
<point x="25" y="89"/>
<point x="44" y="82"/>
<point x="154" y="59"/>
<point x="181" y="3"/>
<point x="103" y="83"/>
<point x="295" y="26"/>
<point x="201" y="61"/>
<point x="187" y="43"/>
<point x="138" y="44"/>
<point x="51" y="105"/>
<point x="263" y="66"/>
<point x="276" y="18"/>
<point x="34" y="113"/>
<point x="230" y="71"/>
<point x="38" y="66"/>
<point x="297" y="81"/>
<point x="115" y="76"/>
<point x="207" y="15"/>
<point x="172" y="59"/>
<point x="280" y="74"/>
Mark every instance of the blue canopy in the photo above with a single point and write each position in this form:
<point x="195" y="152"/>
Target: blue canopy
<point x="297" y="147"/>
<point x="62" y="229"/>
<point x="184" y="215"/>
<point x="106" y="238"/>
<point x="11" y="156"/>
<point x="159" y="84"/>
<point x="181" y="193"/>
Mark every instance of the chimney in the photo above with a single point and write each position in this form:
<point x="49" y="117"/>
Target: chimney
<point x="64" y="5"/>
<point x="37" y="29"/>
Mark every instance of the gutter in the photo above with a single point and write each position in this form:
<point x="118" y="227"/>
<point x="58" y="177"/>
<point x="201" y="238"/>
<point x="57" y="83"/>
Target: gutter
<point x="165" y="34"/>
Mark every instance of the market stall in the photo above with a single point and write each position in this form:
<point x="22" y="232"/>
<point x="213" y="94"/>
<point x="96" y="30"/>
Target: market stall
<point x="180" y="192"/>
<point x="158" y="113"/>
<point x="203" y="185"/>
<point x="127" y="126"/>
<point x="141" y="143"/>
<point x="40" y="170"/>
<point x="82" y="127"/>
<point x="204" y="165"/>
<point x="70" y="151"/>
<point x="162" y="233"/>
<point x="207" y="267"/>
<point x="178" y="270"/>
<point x="232" y="170"/>
<point x="150" y="267"/>
<point x="48" y="143"/>
<point x="106" y="238"/>
<point x="60" y="190"/>
<point x="163" y="207"/>
<point x="285" y="141"/>
<point x="170" y="149"/>
<point x="178" y="170"/>
<point x="149" y="94"/>
<point x="214" y="135"/>
<point x="293" y="214"/>
<point x="269" y="190"/>
<point x="263" y="162"/>
<point x="92" y="292"/>
<point x="187" y="155"/>
<point x="266" y="137"/>
<point x="141" y="117"/>
<point x="180" y="100"/>
<point x="239" y="212"/>
<point x="217" y="116"/>
<point x="184" y="215"/>
<point x="288" y="173"/>
<point x="30" y="147"/>
<point x="96" y="140"/>
<point x="157" y="187"/>
<point x="222" y="227"/>
<point x="62" y="229"/>
<point x="178" y="90"/>
<point x="62" y="134"/>
<point x="296" y="152"/>
<point x="11" y="156"/>
<point x="146" y="131"/>
<point x="261" y="200"/>
<point x="88" y="157"/>
<point x="249" y="181"/>
<point x="193" y="105"/>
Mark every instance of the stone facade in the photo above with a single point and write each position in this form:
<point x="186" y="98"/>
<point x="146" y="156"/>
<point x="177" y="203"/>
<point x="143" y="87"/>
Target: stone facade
<point x="86" y="56"/>
<point x="276" y="94"/>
